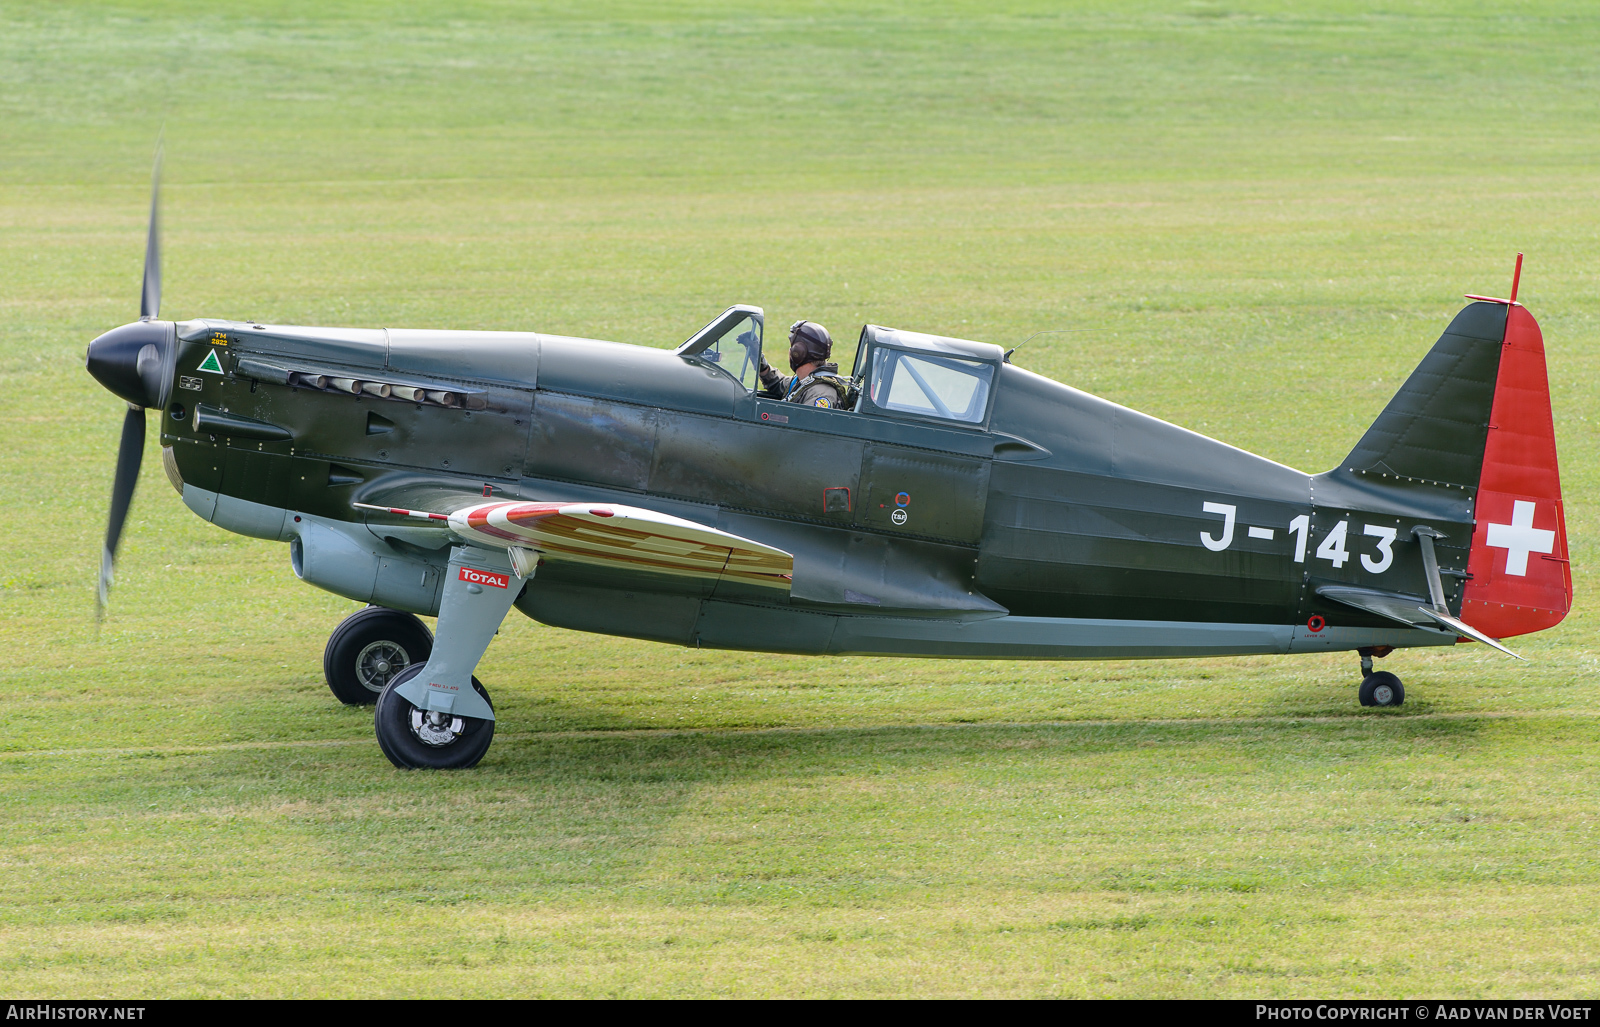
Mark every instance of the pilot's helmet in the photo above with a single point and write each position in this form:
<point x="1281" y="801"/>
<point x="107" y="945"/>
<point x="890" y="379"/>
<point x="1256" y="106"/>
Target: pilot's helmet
<point x="808" y="342"/>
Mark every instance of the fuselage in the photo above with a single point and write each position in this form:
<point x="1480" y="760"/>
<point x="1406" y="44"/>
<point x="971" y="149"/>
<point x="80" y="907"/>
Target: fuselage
<point x="1059" y="525"/>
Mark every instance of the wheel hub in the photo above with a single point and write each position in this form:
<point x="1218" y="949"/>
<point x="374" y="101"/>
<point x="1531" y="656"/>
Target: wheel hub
<point x="1383" y="695"/>
<point x="434" y="728"/>
<point x="379" y="662"/>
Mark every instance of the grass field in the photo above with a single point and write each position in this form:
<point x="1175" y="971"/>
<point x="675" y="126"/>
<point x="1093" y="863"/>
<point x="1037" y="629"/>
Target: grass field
<point x="1267" y="211"/>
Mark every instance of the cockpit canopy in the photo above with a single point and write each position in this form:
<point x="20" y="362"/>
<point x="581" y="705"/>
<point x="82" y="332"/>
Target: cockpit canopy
<point x="905" y="375"/>
<point x="926" y="376"/>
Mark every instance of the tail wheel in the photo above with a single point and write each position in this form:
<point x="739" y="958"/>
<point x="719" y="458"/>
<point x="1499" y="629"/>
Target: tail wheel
<point x="1381" y="688"/>
<point x="368" y="649"/>
<point x="417" y="739"/>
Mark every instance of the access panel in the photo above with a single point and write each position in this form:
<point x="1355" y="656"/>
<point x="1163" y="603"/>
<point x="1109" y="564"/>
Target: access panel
<point x="919" y="492"/>
<point x="764" y="467"/>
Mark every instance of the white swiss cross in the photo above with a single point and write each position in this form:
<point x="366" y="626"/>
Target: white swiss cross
<point x="1520" y="537"/>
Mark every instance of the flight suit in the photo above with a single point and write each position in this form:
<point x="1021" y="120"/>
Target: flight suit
<point x="824" y="387"/>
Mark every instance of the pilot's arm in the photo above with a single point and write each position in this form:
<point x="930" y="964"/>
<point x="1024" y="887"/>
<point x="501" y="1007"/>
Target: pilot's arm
<point x="777" y="385"/>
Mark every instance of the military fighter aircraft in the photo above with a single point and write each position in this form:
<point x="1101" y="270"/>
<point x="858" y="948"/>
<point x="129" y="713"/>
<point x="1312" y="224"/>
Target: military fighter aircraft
<point x="965" y="507"/>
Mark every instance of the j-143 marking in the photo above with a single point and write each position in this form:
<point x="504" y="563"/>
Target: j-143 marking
<point x="1334" y="547"/>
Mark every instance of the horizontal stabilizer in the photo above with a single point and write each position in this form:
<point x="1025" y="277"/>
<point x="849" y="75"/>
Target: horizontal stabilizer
<point x="1403" y="609"/>
<point x="1466" y="630"/>
<point x="1412" y="611"/>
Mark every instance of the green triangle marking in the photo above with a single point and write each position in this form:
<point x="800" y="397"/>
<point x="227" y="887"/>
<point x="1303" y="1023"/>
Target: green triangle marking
<point x="210" y="363"/>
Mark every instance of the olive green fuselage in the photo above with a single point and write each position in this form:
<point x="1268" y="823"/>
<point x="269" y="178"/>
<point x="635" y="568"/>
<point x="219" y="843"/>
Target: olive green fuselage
<point x="1061" y="526"/>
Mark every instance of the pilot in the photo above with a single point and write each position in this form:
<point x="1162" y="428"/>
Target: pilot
<point x="816" y="381"/>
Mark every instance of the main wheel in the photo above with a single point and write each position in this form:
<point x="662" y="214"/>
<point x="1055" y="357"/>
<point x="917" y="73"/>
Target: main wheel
<point x="1381" y="688"/>
<point x="368" y="649"/>
<point x="416" y="739"/>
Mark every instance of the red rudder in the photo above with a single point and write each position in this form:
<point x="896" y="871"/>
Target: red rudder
<point x="1521" y="580"/>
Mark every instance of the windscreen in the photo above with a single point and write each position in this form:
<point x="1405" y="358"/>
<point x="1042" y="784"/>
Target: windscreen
<point x="737" y="351"/>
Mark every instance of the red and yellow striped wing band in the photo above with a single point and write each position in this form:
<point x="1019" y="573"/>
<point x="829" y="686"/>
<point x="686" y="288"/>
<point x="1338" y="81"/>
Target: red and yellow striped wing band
<point x="614" y="535"/>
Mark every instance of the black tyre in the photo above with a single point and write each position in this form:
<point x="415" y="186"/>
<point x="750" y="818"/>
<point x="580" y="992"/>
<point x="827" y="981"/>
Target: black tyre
<point x="415" y="741"/>
<point x="1381" y="688"/>
<point x="368" y="649"/>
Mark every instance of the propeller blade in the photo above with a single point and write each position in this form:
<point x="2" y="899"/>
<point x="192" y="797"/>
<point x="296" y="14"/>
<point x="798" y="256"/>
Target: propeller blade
<point x="129" y="455"/>
<point x="150" y="301"/>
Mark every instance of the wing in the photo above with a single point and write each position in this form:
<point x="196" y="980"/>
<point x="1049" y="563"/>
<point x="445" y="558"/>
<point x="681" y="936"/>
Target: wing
<point x="613" y="535"/>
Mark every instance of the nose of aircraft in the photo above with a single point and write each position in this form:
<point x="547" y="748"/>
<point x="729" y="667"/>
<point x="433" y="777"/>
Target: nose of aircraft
<point x="133" y="361"/>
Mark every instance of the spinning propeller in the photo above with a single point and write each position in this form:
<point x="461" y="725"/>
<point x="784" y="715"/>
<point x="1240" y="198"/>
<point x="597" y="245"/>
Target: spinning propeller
<point x="135" y="363"/>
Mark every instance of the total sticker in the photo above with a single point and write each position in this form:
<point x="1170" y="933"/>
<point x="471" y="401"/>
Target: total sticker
<point x="899" y="516"/>
<point x="490" y="578"/>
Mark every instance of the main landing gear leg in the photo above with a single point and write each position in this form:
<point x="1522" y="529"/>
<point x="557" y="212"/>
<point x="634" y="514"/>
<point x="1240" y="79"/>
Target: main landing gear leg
<point x="436" y="715"/>
<point x="1378" y="688"/>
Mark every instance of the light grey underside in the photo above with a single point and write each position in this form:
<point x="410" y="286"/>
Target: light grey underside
<point x="1049" y="638"/>
<point x="1053" y="638"/>
<point x="335" y="557"/>
<point x="712" y="624"/>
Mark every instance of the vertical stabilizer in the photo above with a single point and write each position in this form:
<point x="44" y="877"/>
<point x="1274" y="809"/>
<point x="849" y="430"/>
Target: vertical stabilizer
<point x="1475" y="416"/>
<point x="1435" y="426"/>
